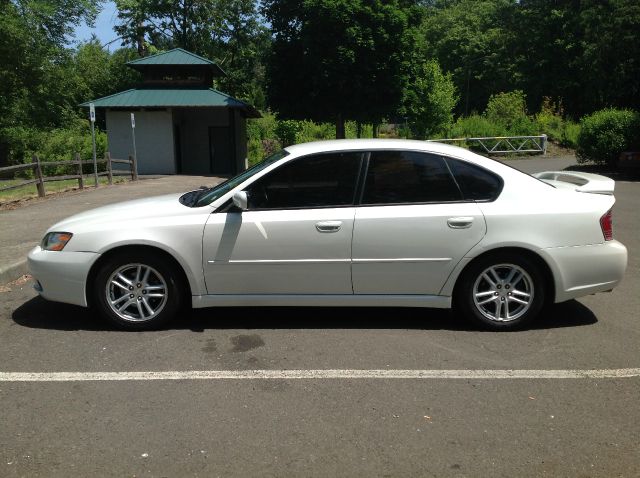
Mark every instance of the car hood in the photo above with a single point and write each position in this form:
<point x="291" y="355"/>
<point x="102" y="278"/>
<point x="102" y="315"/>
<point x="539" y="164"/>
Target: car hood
<point x="152" y="207"/>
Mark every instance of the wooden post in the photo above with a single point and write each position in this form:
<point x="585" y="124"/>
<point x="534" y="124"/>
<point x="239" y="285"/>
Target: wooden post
<point x="134" y="168"/>
<point x="107" y="157"/>
<point x="80" y="176"/>
<point x="40" y="183"/>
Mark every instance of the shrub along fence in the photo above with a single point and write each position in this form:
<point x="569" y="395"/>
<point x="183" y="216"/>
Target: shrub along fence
<point x="36" y="168"/>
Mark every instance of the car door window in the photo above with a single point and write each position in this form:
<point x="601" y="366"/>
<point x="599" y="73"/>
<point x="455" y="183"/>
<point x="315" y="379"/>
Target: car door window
<point x="476" y="183"/>
<point x="402" y="177"/>
<point x="321" y="180"/>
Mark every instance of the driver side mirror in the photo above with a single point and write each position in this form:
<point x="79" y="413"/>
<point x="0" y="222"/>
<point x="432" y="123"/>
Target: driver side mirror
<point x="241" y="200"/>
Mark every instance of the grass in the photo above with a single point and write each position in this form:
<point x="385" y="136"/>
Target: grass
<point x="30" y="191"/>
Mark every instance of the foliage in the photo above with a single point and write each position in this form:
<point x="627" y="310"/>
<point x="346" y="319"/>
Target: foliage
<point x="58" y="144"/>
<point x="468" y="39"/>
<point x="506" y="109"/>
<point x="607" y="133"/>
<point x="334" y="60"/>
<point x="429" y="101"/>
<point x="287" y="130"/>
<point x="572" y="50"/>
<point x="570" y="134"/>
<point x="36" y="89"/>
<point x="261" y="135"/>
<point x="476" y="126"/>
<point x="228" y="31"/>
<point x="567" y="50"/>
<point x="551" y="122"/>
<point x="262" y="132"/>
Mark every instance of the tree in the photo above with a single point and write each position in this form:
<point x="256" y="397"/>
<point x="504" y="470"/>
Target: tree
<point x="468" y="39"/>
<point x="33" y="36"/>
<point x="430" y="100"/>
<point x="334" y="60"/>
<point x="228" y="31"/>
<point x="583" y="53"/>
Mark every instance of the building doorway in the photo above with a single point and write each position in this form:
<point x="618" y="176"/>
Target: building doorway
<point x="221" y="152"/>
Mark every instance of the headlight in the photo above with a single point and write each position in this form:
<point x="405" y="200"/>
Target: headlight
<point x="55" y="241"/>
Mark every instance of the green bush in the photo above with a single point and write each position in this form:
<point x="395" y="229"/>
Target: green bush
<point x="430" y="101"/>
<point x="261" y="135"/>
<point x="60" y="144"/>
<point x="287" y="131"/>
<point x="267" y="135"/>
<point x="351" y="130"/>
<point x="310" y="131"/>
<point x="476" y="126"/>
<point x="569" y="135"/>
<point x="606" y="133"/>
<point x="505" y="116"/>
<point x="508" y="110"/>
<point x="551" y="122"/>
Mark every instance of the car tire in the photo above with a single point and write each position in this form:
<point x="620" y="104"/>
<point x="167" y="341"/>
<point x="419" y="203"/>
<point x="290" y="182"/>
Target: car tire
<point x="501" y="291"/>
<point x="137" y="290"/>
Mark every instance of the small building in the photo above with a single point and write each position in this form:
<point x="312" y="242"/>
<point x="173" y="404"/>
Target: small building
<point x="182" y="124"/>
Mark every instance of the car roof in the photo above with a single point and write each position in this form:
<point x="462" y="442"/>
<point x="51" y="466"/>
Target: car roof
<point x="356" y="144"/>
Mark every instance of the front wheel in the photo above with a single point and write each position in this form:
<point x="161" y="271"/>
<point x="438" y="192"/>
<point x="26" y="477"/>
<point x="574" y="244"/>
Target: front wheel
<point x="137" y="291"/>
<point x="501" y="292"/>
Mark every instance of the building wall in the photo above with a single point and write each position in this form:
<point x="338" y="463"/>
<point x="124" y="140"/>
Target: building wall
<point x="154" y="139"/>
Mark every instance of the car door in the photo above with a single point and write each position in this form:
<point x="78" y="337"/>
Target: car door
<point x="413" y="225"/>
<point x="295" y="236"/>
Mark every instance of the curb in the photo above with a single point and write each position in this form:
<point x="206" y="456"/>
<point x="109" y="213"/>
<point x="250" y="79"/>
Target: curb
<point x="13" y="271"/>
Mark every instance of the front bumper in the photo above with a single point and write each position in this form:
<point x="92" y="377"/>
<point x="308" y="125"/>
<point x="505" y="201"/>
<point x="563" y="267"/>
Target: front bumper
<point x="584" y="270"/>
<point x="61" y="276"/>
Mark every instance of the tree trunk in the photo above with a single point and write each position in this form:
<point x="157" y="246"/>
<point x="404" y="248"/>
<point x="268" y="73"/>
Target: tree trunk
<point x="339" y="126"/>
<point x="142" y="47"/>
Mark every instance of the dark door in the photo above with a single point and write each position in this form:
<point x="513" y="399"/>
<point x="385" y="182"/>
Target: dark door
<point x="177" y="143"/>
<point x="220" y="150"/>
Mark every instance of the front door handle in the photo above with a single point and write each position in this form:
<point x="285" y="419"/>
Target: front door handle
<point x="460" y="222"/>
<point x="328" y="226"/>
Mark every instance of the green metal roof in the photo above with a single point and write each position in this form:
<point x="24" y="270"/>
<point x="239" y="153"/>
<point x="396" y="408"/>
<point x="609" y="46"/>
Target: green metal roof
<point x="177" y="56"/>
<point x="185" y="97"/>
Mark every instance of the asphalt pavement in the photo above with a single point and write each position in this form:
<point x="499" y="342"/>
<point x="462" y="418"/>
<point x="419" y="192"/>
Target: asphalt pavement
<point x="122" y="422"/>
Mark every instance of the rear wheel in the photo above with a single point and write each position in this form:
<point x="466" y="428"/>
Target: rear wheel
<point x="501" y="292"/>
<point x="137" y="291"/>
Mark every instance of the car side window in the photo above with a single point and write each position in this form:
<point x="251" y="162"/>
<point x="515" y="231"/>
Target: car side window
<point x="401" y="177"/>
<point x="320" y="180"/>
<point x="476" y="183"/>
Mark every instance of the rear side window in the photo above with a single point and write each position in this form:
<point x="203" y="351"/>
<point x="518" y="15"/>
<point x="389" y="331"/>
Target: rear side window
<point x="404" y="177"/>
<point x="476" y="183"/>
<point x="320" y="180"/>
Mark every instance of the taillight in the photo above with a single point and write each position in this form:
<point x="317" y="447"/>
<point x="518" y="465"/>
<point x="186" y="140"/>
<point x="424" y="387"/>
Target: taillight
<point x="606" y="223"/>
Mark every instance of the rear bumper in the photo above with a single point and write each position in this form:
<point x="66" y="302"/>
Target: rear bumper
<point x="61" y="276"/>
<point x="584" y="270"/>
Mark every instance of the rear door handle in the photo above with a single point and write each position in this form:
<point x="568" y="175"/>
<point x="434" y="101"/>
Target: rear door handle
<point x="328" y="226"/>
<point x="460" y="222"/>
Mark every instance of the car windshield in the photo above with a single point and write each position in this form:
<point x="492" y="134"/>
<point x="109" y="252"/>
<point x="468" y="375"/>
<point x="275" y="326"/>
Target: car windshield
<point x="205" y="197"/>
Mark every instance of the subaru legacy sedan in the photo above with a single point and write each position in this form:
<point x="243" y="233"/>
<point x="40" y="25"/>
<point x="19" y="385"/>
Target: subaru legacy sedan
<point x="389" y="223"/>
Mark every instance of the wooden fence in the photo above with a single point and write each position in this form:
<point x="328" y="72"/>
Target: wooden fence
<point x="76" y="163"/>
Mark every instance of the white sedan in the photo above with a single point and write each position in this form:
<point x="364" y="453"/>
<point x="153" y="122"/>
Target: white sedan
<point x="389" y="223"/>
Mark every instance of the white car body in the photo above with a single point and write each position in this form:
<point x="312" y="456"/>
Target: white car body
<point x="389" y="255"/>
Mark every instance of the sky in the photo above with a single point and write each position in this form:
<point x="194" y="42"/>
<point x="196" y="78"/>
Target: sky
<point x="103" y="27"/>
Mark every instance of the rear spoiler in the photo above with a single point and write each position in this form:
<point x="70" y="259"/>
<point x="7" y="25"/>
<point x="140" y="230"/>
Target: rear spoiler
<point x="581" y="182"/>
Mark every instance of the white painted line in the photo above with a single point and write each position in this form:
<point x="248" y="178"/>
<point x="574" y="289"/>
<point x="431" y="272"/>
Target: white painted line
<point x="315" y="374"/>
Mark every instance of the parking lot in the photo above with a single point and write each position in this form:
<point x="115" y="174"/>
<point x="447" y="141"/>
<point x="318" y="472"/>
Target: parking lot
<point x="331" y="419"/>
